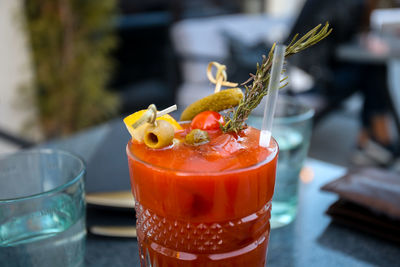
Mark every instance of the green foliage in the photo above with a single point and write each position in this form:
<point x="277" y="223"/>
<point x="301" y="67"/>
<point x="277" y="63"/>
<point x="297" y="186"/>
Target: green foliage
<point x="70" y="42"/>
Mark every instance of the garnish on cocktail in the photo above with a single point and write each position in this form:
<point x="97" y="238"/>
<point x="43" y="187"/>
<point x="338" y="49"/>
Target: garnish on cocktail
<point x="157" y="129"/>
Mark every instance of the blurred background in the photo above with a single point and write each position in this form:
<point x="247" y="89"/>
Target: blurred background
<point x="68" y="65"/>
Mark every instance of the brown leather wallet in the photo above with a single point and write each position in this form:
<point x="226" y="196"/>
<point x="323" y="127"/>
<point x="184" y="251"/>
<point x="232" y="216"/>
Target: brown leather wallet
<point x="369" y="200"/>
<point x="375" y="189"/>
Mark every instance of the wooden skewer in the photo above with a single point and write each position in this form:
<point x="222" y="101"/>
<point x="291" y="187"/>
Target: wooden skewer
<point x="114" y="231"/>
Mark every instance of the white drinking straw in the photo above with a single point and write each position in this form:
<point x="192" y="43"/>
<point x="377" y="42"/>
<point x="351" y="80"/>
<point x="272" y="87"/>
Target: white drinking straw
<point x="272" y="96"/>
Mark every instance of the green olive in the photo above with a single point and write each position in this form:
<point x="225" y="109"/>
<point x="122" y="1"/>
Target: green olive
<point x="197" y="137"/>
<point x="159" y="135"/>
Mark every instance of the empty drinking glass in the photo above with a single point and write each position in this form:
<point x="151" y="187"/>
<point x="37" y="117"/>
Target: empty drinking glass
<point x="42" y="209"/>
<point x="292" y="130"/>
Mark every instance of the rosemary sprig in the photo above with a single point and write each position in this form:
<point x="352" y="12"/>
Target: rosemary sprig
<point x="235" y="120"/>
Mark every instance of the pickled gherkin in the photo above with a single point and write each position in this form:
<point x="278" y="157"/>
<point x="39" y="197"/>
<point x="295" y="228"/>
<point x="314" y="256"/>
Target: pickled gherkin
<point x="219" y="101"/>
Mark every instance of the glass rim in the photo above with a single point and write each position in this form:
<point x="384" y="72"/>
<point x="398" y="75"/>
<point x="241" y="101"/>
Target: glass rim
<point x="80" y="174"/>
<point x="306" y="114"/>
<point x="178" y="172"/>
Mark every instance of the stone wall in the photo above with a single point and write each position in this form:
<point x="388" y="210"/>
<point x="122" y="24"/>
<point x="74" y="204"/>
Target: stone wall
<point x="17" y="111"/>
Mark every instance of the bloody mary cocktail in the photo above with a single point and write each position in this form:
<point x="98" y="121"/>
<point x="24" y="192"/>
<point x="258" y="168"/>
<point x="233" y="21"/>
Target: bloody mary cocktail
<point x="203" y="191"/>
<point x="206" y="205"/>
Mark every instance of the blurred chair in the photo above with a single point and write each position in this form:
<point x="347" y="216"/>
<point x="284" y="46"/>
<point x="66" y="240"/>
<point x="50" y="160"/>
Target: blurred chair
<point x="201" y="40"/>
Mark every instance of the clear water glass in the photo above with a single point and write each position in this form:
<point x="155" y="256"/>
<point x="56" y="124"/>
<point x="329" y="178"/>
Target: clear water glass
<point x="292" y="130"/>
<point x="42" y="209"/>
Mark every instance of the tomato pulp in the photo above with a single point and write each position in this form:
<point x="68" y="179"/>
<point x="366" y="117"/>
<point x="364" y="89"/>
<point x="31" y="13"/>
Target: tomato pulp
<point x="206" y="205"/>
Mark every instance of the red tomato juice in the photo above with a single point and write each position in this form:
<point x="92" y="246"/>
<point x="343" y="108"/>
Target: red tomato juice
<point x="206" y="205"/>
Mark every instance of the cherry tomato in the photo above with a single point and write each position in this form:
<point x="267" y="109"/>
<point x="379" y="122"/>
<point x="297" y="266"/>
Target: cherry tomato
<point x="207" y="120"/>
